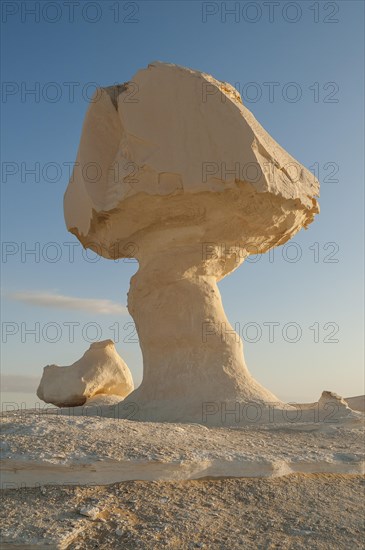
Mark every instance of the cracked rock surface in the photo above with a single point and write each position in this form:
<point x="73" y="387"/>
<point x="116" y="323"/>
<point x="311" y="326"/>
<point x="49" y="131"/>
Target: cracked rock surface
<point x="46" y="448"/>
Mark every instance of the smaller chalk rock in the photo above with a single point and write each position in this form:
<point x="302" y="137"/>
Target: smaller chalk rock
<point x="100" y="370"/>
<point x="331" y="398"/>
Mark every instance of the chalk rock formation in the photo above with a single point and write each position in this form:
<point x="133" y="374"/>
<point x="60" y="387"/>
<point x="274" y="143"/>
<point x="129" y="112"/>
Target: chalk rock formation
<point x="330" y="398"/>
<point x="173" y="170"/>
<point x="99" y="371"/>
<point x="103" y="400"/>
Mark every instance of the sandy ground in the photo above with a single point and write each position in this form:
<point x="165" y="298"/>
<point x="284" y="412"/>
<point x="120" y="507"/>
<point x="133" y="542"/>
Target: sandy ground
<point x="299" y="511"/>
<point x="91" y="482"/>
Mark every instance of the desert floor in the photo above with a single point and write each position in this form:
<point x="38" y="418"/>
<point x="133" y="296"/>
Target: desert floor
<point x="92" y="482"/>
<point x="298" y="511"/>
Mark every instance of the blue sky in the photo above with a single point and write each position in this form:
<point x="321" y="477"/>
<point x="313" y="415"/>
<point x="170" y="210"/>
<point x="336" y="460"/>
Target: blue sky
<point x="309" y="51"/>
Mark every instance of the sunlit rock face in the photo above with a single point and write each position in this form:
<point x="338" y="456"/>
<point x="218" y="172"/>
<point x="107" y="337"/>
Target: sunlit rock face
<point x="173" y="170"/>
<point x="99" y="371"/>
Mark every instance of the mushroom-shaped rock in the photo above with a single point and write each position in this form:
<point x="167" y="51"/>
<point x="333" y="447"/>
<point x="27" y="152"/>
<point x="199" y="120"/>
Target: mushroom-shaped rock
<point x="173" y="170"/>
<point x="99" y="371"/>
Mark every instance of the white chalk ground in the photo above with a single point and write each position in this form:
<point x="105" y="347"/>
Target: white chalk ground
<point x="46" y="449"/>
<point x="51" y="460"/>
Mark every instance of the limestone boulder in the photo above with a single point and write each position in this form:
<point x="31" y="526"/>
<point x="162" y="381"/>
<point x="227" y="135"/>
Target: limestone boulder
<point x="100" y="370"/>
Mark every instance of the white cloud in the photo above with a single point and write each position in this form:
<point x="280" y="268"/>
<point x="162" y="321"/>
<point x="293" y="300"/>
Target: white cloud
<point x="59" y="301"/>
